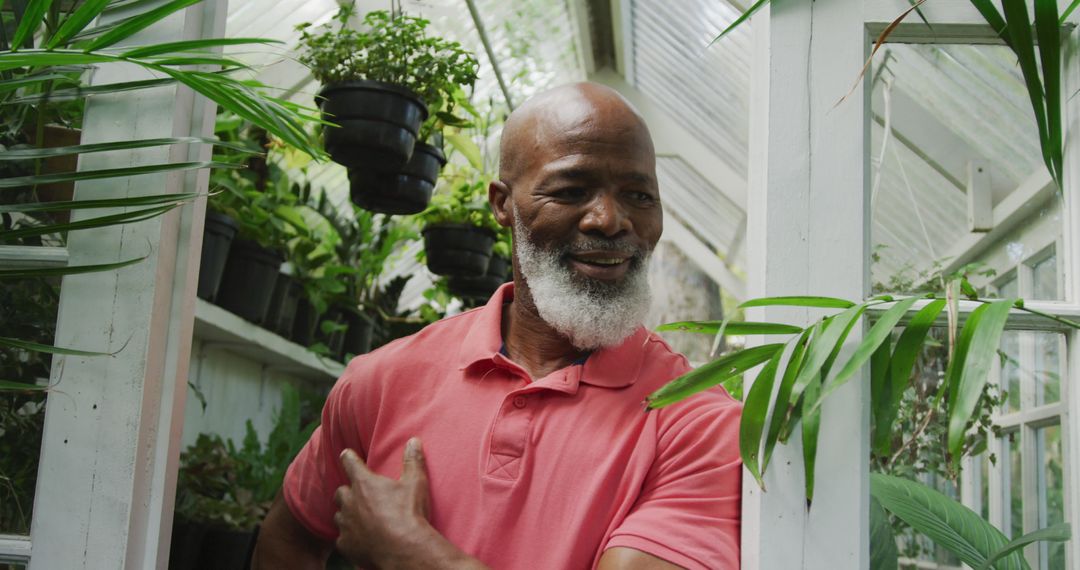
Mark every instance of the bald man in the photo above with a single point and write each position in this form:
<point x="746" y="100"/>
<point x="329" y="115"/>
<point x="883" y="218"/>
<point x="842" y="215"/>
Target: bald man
<point x="536" y="451"/>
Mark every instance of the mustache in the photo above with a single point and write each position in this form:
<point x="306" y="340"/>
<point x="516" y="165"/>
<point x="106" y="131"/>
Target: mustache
<point x="621" y="245"/>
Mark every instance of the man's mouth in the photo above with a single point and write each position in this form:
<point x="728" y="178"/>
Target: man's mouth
<point x="604" y="266"/>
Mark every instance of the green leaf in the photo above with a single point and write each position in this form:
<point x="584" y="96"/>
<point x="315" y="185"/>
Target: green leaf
<point x="35" y="153"/>
<point x="745" y="16"/>
<point x="971" y="378"/>
<point x="32" y="17"/>
<point x="1060" y="532"/>
<point x="1048" y="31"/>
<point x="191" y="45"/>
<point x="799" y="301"/>
<point x="877" y="334"/>
<point x="21" y="181"/>
<point x="993" y="17"/>
<point x="9" y="386"/>
<point x="949" y="524"/>
<point x="907" y="351"/>
<point x="89" y="223"/>
<point x="1018" y="26"/>
<point x="467" y="148"/>
<point x="47" y="348"/>
<point x="66" y="205"/>
<point x="79" y="19"/>
<point x="81" y="91"/>
<point x="824" y="346"/>
<point x="51" y="58"/>
<point x="883" y="553"/>
<point x="737" y="328"/>
<point x="68" y="270"/>
<point x="1068" y="11"/>
<point x="779" y="411"/>
<point x="880" y="390"/>
<point x="755" y="411"/>
<point x="811" y="426"/>
<point x="711" y="374"/>
<point x="131" y="26"/>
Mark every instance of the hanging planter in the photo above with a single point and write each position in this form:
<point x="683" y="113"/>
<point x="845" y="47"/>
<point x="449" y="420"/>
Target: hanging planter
<point x="406" y="191"/>
<point x="218" y="234"/>
<point x="250" y="276"/>
<point x="284" y="300"/>
<point x="358" y="336"/>
<point x="376" y="123"/>
<point x="484" y="286"/>
<point x="305" y="323"/>
<point x="458" y="250"/>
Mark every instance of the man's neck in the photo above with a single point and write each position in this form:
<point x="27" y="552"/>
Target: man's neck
<point x="532" y="343"/>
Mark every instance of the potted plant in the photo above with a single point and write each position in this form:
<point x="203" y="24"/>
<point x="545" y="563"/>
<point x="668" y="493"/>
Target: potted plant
<point x="459" y="229"/>
<point x="498" y="271"/>
<point x="378" y="84"/>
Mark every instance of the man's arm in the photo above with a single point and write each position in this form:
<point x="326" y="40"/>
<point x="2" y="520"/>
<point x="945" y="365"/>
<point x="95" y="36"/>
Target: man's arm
<point x="285" y="543"/>
<point x="622" y="558"/>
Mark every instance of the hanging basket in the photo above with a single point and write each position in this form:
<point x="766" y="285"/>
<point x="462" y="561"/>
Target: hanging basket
<point x="406" y="191"/>
<point x="482" y="287"/>
<point x="218" y="234"/>
<point x="458" y="250"/>
<point x="248" y="283"/>
<point x="377" y="123"/>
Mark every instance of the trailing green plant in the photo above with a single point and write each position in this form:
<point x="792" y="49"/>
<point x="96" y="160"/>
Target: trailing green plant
<point x="393" y="48"/>
<point x="462" y="202"/>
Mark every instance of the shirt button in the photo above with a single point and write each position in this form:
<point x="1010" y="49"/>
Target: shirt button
<point x="519" y="401"/>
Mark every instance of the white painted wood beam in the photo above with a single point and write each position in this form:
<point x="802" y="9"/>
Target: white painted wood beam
<point x="670" y="138"/>
<point x="808" y="233"/>
<point x="622" y="32"/>
<point x="703" y="256"/>
<point x="578" y="11"/>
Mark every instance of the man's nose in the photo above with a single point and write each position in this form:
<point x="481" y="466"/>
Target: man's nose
<point x="605" y="215"/>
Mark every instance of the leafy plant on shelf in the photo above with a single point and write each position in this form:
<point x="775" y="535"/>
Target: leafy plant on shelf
<point x="394" y="48"/>
<point x="44" y="65"/>
<point x="799" y="373"/>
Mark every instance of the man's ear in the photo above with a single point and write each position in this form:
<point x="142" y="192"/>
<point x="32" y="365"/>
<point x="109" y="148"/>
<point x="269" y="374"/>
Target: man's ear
<point x="501" y="207"/>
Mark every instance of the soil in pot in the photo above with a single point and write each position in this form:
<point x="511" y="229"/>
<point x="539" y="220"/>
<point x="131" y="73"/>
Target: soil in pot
<point x="248" y="283"/>
<point x="458" y="250"/>
<point x="482" y="287"/>
<point x="377" y="123"/>
<point x="218" y="235"/>
<point x="406" y="191"/>
<point x="281" y="313"/>
<point x="226" y="549"/>
<point x="358" y="337"/>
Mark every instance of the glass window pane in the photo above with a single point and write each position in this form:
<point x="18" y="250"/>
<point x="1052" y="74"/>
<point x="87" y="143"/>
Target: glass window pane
<point x="1007" y="288"/>
<point x="1011" y="488"/>
<point x="1010" y="370"/>
<point x="1046" y="372"/>
<point x="1051" y="489"/>
<point x="12" y="566"/>
<point x="1044" y="280"/>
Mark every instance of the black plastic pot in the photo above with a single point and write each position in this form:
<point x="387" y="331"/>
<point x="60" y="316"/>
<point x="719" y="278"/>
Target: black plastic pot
<point x="458" y="250"/>
<point x="377" y="123"/>
<point x="281" y="313"/>
<point x="406" y="191"/>
<point x="249" y="279"/>
<point x="333" y="340"/>
<point x="481" y="287"/>
<point x="226" y="549"/>
<point x="187" y="538"/>
<point x="218" y="235"/>
<point x="358" y="337"/>
<point x="305" y="323"/>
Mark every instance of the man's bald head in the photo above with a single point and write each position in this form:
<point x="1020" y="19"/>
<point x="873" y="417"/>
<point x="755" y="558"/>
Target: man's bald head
<point x="565" y="114"/>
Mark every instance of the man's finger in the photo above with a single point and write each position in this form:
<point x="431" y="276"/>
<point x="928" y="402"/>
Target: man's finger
<point x="354" y="466"/>
<point x="414" y="466"/>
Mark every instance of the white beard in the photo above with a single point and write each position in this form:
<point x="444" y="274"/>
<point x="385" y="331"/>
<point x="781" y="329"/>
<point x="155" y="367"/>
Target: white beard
<point x="591" y="314"/>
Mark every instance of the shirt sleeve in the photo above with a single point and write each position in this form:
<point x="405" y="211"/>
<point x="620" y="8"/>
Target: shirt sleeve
<point x="316" y="473"/>
<point x="689" y="508"/>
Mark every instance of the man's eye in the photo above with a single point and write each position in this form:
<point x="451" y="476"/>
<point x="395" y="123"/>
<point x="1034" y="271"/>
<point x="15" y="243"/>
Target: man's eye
<point x="643" y="197"/>
<point x="572" y="193"/>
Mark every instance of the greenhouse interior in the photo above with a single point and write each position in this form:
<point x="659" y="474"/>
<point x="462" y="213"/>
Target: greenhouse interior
<point x="630" y="284"/>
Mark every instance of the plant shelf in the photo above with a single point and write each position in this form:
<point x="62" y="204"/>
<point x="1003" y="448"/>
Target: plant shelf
<point x="216" y="325"/>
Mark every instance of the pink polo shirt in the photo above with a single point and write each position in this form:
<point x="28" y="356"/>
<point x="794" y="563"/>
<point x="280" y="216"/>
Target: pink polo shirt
<point x="536" y="473"/>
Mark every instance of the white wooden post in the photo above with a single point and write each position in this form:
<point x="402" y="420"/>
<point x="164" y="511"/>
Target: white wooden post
<point x="807" y="234"/>
<point x="1069" y="257"/>
<point x="107" y="475"/>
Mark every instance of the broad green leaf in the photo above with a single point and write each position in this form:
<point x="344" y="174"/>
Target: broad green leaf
<point x="880" y="388"/>
<point x="9" y="386"/>
<point x="711" y="374"/>
<point x="1068" y="11"/>
<point x="993" y="17"/>
<point x="949" y="524"/>
<point x="1060" y="532"/>
<point x="811" y="426"/>
<point x="467" y="148"/>
<point x="883" y="553"/>
<point x="799" y="301"/>
<point x="63" y="206"/>
<point x="191" y="45"/>
<point x="1018" y="26"/>
<point x="47" y="58"/>
<point x="89" y="223"/>
<point x="907" y="351"/>
<point x="735" y="328"/>
<point x="965" y="393"/>
<point x="74" y="23"/>
<point x="131" y="26"/>
<point x="21" y="181"/>
<point x="825" y="346"/>
<point x="755" y="411"/>
<point x="35" y="153"/>
<point x="877" y="334"/>
<point x="68" y="270"/>
<point x="779" y="409"/>
<point x="1048" y="31"/>
<point x="47" y="348"/>
<point x="745" y="16"/>
<point x="32" y="17"/>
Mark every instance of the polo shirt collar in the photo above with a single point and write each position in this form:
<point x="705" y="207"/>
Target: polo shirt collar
<point x="613" y="367"/>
